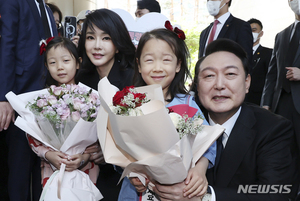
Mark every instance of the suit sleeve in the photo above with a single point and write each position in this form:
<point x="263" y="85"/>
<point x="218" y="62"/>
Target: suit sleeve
<point x="275" y="166"/>
<point x="9" y="15"/>
<point x="271" y="78"/>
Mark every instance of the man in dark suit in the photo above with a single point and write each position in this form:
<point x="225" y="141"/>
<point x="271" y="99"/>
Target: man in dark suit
<point x="260" y="60"/>
<point x="282" y="88"/>
<point x="255" y="149"/>
<point x="21" y="70"/>
<point x="225" y="25"/>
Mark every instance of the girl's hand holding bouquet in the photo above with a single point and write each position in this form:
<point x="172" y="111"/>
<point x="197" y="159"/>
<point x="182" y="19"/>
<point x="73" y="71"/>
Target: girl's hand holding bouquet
<point x="62" y="119"/>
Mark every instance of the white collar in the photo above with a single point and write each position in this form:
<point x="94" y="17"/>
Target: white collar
<point x="222" y="19"/>
<point x="228" y="125"/>
<point x="255" y="47"/>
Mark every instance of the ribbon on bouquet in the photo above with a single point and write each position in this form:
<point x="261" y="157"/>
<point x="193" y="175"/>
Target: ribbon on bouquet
<point x="60" y="173"/>
<point x="60" y="178"/>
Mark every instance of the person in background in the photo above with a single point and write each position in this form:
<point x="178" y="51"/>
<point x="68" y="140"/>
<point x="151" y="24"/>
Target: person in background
<point x="225" y="25"/>
<point x="24" y="25"/>
<point x="79" y="20"/>
<point x="281" y="92"/>
<point x="255" y="148"/>
<point x="58" y="18"/>
<point x="261" y="59"/>
<point x="146" y="6"/>
<point x="3" y="153"/>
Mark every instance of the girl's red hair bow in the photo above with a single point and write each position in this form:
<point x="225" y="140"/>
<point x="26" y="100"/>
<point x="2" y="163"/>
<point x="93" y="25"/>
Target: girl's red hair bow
<point x="178" y="31"/>
<point x="43" y="44"/>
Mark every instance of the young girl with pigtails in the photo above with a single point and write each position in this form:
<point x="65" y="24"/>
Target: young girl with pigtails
<point x="62" y="62"/>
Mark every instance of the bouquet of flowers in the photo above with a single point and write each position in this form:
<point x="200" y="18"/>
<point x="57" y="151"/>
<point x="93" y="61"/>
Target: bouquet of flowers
<point x="58" y="111"/>
<point x="62" y="118"/>
<point x="149" y="143"/>
<point x="128" y="101"/>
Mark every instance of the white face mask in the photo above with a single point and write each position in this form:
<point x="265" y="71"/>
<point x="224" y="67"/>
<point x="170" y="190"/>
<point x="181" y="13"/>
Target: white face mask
<point x="213" y="7"/>
<point x="255" y="36"/>
<point x="295" y="6"/>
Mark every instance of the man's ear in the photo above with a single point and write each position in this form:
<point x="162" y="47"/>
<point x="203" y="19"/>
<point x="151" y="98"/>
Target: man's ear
<point x="261" y="34"/>
<point x="248" y="82"/>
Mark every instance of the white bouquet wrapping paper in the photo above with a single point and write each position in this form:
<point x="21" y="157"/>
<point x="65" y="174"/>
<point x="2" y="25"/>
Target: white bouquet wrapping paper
<point x="149" y="144"/>
<point x="82" y="135"/>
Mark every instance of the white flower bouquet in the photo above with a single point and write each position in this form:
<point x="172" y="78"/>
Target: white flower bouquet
<point x="61" y="118"/>
<point x="149" y="144"/>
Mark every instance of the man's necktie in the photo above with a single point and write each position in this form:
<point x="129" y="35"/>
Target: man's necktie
<point x="44" y="19"/>
<point x="291" y="53"/>
<point x="224" y="139"/>
<point x="213" y="32"/>
<point x="220" y="148"/>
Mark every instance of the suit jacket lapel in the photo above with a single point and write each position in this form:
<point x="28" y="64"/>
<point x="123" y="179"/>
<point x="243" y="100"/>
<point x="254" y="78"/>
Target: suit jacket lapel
<point x="225" y="27"/>
<point x="296" y="61"/>
<point x="256" y="56"/>
<point x="204" y="38"/>
<point x="239" y="141"/>
<point x="285" y="42"/>
<point x="37" y="17"/>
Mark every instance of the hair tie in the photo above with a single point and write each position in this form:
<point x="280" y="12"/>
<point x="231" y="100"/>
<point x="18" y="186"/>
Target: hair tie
<point x="176" y="30"/>
<point x="43" y="44"/>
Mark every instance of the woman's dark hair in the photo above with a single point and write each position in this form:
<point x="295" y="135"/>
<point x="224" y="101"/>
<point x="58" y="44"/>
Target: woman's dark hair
<point x="111" y="23"/>
<point x="180" y="50"/>
<point x="60" y="42"/>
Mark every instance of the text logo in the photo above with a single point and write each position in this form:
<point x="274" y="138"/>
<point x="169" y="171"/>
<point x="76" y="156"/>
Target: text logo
<point x="264" y="188"/>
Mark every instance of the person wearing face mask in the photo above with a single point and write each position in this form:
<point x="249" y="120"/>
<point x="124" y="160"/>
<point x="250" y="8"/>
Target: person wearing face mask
<point x="225" y="25"/>
<point x="261" y="59"/>
<point x="282" y="88"/>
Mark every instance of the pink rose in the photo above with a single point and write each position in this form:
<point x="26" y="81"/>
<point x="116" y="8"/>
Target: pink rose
<point x="52" y="87"/>
<point x="77" y="104"/>
<point x="93" y="98"/>
<point x="65" y="114"/>
<point x="57" y="91"/>
<point x="75" y="116"/>
<point x="52" y="100"/>
<point x="41" y="103"/>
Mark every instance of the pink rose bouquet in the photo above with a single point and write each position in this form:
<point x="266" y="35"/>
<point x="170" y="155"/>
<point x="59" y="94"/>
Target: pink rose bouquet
<point x="62" y="118"/>
<point x="58" y="111"/>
